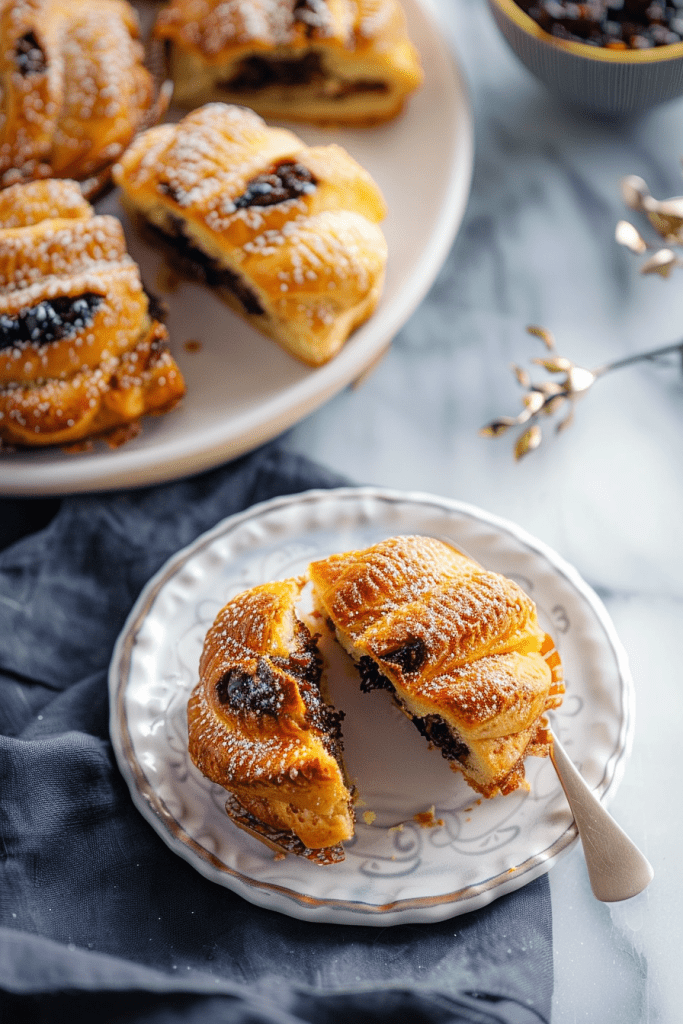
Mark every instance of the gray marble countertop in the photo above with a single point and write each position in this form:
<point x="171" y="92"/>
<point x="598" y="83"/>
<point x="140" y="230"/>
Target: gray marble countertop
<point x="537" y="247"/>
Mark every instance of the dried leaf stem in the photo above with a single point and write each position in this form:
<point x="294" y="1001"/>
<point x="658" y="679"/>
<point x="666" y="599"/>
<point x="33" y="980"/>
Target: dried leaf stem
<point x="548" y="397"/>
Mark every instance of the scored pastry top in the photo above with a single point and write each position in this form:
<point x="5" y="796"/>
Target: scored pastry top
<point x="74" y="88"/>
<point x="214" y="26"/>
<point x="209" y="163"/>
<point x="80" y="351"/>
<point x="257" y="712"/>
<point x="288" y="233"/>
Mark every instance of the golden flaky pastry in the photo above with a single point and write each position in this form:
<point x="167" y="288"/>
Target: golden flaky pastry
<point x="80" y="352"/>
<point x="73" y="87"/>
<point x="259" y="726"/>
<point x="287" y="233"/>
<point x="344" y="62"/>
<point x="460" y="649"/>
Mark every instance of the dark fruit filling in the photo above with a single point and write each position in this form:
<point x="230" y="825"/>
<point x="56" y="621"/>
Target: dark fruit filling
<point x="50" y="320"/>
<point x="431" y="726"/>
<point x="437" y="732"/>
<point x="285" y="181"/>
<point x="614" y="24"/>
<point x="29" y="56"/>
<point x="408" y="658"/>
<point x="243" y="692"/>
<point x="257" y="72"/>
<point x="194" y="263"/>
<point x="371" y="678"/>
<point x="260" y="692"/>
<point x="306" y="667"/>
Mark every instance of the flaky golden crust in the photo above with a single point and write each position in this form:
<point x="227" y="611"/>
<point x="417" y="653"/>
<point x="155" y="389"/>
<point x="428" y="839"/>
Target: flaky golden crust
<point x="287" y="233"/>
<point x="460" y="647"/>
<point x="73" y="85"/>
<point x="79" y="352"/>
<point x="346" y="62"/>
<point x="258" y="724"/>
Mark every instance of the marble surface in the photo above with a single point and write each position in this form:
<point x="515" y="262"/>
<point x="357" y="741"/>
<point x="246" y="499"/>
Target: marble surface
<point x="537" y="247"/>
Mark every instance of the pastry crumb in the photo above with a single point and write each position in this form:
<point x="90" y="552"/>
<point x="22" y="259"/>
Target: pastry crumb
<point x="280" y="856"/>
<point x="397" y="828"/>
<point x="369" y="817"/>
<point x="426" y="819"/>
<point x="192" y="345"/>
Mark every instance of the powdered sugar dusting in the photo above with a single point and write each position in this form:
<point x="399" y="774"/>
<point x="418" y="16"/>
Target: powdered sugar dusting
<point x="212" y="26"/>
<point x="73" y="108"/>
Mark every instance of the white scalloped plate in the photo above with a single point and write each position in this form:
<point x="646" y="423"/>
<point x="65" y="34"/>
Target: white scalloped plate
<point x="484" y="848"/>
<point x="242" y="389"/>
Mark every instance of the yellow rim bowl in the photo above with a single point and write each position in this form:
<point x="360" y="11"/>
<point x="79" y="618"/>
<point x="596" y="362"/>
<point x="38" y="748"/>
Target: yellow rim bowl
<point x="618" y="82"/>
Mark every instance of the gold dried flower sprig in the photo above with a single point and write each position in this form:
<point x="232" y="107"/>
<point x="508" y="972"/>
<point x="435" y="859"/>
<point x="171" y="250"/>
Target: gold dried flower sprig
<point x="665" y="216"/>
<point x="549" y="397"/>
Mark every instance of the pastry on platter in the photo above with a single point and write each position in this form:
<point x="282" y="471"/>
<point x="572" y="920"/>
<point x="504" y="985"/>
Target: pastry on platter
<point x="73" y="87"/>
<point x="260" y="727"/>
<point x="80" y="350"/>
<point x="345" y="62"/>
<point x="459" y="648"/>
<point x="288" y="234"/>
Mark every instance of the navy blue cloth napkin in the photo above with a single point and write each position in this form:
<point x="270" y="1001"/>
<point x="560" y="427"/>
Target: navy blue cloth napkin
<point x="99" y="920"/>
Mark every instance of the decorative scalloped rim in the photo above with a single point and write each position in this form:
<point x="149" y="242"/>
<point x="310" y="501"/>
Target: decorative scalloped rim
<point x="348" y="506"/>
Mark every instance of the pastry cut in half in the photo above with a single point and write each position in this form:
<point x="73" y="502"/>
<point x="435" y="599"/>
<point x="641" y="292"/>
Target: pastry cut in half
<point x="80" y="350"/>
<point x="286" y="233"/>
<point x="73" y="87"/>
<point x="459" y="648"/>
<point x="344" y="62"/>
<point x="259" y="726"/>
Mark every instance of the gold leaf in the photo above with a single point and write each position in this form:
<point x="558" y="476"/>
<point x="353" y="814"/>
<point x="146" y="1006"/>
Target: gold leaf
<point x="499" y="426"/>
<point x="545" y="336"/>
<point x="549" y="388"/>
<point x="634" y="192"/>
<point x="626" y="234"/>
<point x="554" y="405"/>
<point x="662" y="263"/>
<point x="521" y="375"/>
<point x="667" y="219"/>
<point x="529" y="440"/>
<point x="579" y="379"/>
<point x="557" y="365"/>
<point x="534" y="401"/>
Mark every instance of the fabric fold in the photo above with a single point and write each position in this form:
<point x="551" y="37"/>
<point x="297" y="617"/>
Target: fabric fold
<point x="97" y="915"/>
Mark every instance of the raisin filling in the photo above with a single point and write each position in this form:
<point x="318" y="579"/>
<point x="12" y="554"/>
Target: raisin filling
<point x="29" y="56"/>
<point x="244" y="692"/>
<point x="259" y="692"/>
<point x="194" y="263"/>
<point x="255" y="73"/>
<point x="306" y="667"/>
<point x="408" y="658"/>
<point x="285" y="181"/>
<point x="432" y="727"/>
<point x="50" y="320"/>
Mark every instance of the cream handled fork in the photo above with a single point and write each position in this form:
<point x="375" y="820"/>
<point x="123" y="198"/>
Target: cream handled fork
<point x="616" y="868"/>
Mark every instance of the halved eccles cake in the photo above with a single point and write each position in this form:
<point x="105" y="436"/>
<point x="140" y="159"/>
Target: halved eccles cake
<point x="458" y="647"/>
